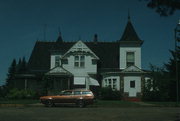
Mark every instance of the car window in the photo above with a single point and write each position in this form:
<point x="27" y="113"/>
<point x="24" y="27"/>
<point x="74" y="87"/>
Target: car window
<point x="86" y="92"/>
<point x="77" y="92"/>
<point x="67" y="93"/>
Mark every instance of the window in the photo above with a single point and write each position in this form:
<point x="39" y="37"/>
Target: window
<point x="105" y="83"/>
<point x="66" y="93"/>
<point x="114" y="83"/>
<point x="111" y="82"/>
<point x="132" y="84"/>
<point x="64" y="61"/>
<point x="94" y="61"/>
<point x="86" y="92"/>
<point x="130" y="59"/>
<point x="57" y="61"/>
<point x="79" y="61"/>
<point x="77" y="92"/>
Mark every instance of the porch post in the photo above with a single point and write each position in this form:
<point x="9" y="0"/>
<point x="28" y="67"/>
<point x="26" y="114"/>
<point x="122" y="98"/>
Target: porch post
<point x="87" y="82"/>
<point x="25" y="84"/>
<point x="68" y="83"/>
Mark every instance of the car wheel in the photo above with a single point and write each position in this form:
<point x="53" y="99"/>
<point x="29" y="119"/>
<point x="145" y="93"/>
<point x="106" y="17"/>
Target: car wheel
<point x="49" y="103"/>
<point x="81" y="104"/>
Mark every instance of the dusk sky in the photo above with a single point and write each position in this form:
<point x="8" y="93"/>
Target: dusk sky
<point x="22" y="24"/>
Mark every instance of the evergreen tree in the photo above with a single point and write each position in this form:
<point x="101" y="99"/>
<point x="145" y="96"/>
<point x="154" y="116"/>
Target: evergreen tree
<point x="22" y="66"/>
<point x="11" y="75"/>
<point x="19" y="65"/>
<point x="171" y="68"/>
<point x="157" y="88"/>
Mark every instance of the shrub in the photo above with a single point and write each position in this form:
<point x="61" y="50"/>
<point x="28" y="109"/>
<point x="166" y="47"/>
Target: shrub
<point x="3" y="92"/>
<point x="21" y="94"/>
<point x="106" y="93"/>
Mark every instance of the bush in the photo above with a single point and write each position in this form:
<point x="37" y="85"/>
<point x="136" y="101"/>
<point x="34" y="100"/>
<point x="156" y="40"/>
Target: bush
<point x="106" y="93"/>
<point x="155" y="95"/>
<point x="21" y="94"/>
<point x="3" y="92"/>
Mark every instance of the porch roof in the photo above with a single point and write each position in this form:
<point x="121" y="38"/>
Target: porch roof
<point x="58" y="71"/>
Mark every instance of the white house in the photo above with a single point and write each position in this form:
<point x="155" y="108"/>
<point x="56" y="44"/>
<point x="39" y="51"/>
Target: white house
<point x="93" y="64"/>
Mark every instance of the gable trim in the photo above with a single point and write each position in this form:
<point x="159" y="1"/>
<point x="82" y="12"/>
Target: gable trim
<point x="80" y="47"/>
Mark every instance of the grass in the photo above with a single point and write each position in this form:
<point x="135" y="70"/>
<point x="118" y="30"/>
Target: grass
<point x="165" y="104"/>
<point x="20" y="101"/>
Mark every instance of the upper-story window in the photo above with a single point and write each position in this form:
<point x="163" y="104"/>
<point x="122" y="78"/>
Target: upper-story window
<point x="57" y="61"/>
<point x="79" y="61"/>
<point x="130" y="59"/>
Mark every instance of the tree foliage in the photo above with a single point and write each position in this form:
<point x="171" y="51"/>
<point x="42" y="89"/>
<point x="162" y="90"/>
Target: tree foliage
<point x="15" y="69"/>
<point x="157" y="88"/>
<point x="11" y="74"/>
<point x="163" y="86"/>
<point x="164" y="7"/>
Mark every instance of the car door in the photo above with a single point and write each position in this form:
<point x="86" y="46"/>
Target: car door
<point x="65" y="97"/>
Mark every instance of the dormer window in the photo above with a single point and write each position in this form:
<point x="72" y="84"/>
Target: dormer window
<point x="57" y="61"/>
<point x="79" y="61"/>
<point x="130" y="60"/>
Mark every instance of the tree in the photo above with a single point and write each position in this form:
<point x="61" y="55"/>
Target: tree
<point x="22" y="66"/>
<point x="11" y="74"/>
<point x="157" y="88"/>
<point x="171" y="68"/>
<point x="164" y="7"/>
<point x="164" y="83"/>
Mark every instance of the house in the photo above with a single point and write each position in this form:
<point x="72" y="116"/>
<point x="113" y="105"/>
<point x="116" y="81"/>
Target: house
<point x="63" y="65"/>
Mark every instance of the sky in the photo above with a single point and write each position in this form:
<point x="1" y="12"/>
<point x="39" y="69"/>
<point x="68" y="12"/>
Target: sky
<point x="22" y="23"/>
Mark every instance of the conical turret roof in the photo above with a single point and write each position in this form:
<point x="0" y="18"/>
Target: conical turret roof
<point x="130" y="35"/>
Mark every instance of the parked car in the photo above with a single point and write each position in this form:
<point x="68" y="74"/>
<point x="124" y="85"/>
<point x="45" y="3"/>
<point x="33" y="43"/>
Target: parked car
<point x="80" y="97"/>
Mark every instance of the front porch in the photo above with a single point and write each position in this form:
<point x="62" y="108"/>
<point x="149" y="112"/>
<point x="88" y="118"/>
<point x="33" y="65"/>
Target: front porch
<point x="58" y="79"/>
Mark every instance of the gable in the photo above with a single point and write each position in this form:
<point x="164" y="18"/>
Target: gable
<point x="58" y="71"/>
<point x="80" y="47"/>
<point x="132" y="69"/>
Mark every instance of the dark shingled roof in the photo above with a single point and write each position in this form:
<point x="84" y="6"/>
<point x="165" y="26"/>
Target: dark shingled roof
<point x="108" y="52"/>
<point x="130" y="33"/>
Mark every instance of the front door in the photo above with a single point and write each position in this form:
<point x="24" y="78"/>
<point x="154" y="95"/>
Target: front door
<point x="132" y="89"/>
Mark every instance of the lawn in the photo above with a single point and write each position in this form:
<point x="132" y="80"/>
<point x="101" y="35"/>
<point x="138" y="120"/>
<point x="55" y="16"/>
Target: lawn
<point x="22" y="101"/>
<point x="165" y="104"/>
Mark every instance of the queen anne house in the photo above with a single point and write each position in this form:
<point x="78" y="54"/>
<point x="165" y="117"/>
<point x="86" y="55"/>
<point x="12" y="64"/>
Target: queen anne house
<point x="63" y="65"/>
